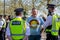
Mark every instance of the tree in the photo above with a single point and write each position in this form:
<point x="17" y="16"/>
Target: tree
<point x="27" y="5"/>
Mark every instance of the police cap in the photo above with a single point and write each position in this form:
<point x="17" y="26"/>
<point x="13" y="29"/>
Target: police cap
<point x="18" y="10"/>
<point x="51" y="6"/>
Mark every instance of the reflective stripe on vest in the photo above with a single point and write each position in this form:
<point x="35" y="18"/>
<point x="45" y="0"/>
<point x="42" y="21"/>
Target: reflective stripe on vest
<point x="48" y="30"/>
<point x="55" y="26"/>
<point x="4" y="25"/>
<point x="55" y="32"/>
<point x="17" y="34"/>
<point x="17" y="28"/>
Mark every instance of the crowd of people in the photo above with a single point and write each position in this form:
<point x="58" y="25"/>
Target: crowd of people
<point x="4" y="20"/>
<point x="31" y="27"/>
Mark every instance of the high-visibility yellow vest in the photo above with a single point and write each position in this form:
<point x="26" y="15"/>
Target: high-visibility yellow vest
<point x="4" y="25"/>
<point x="48" y="29"/>
<point x="55" y="25"/>
<point x="17" y="28"/>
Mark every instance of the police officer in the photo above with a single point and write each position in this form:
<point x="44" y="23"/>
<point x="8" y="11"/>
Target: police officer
<point x="15" y="30"/>
<point x="34" y="25"/>
<point x="55" y="26"/>
<point x="48" y="24"/>
<point x="7" y="20"/>
<point x="2" y="28"/>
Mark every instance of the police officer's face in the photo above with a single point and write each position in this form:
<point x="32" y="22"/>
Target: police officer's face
<point x="51" y="9"/>
<point x="34" y="12"/>
<point x="21" y="14"/>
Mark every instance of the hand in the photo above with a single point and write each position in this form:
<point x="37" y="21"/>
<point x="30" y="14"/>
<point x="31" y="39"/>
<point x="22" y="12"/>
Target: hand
<point x="42" y="30"/>
<point x="9" y="37"/>
<point x="26" y="38"/>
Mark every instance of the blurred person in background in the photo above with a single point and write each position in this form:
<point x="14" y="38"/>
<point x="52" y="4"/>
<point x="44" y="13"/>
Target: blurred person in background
<point x="7" y="22"/>
<point x="9" y="17"/>
<point x="2" y="28"/>
<point x="6" y="17"/>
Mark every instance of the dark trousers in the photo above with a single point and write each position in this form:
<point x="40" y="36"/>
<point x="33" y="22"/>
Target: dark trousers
<point x="1" y="38"/>
<point x="51" y="37"/>
<point x="59" y="31"/>
<point x="2" y="35"/>
<point x="34" y="37"/>
<point x="54" y="37"/>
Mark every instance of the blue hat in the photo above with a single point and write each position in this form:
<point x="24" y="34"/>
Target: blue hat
<point x="51" y="6"/>
<point x="18" y="10"/>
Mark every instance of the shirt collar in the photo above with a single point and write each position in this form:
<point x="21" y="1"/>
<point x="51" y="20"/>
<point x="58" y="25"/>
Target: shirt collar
<point x="34" y="17"/>
<point x="18" y="17"/>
